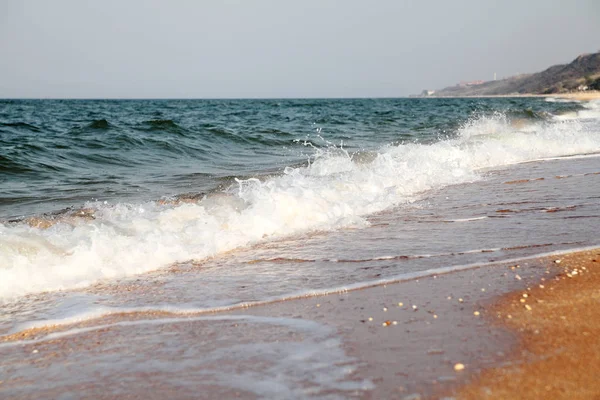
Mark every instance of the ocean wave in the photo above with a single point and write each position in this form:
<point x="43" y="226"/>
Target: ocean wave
<point x="333" y="189"/>
<point x="99" y="124"/>
<point x="587" y="110"/>
<point x="264" y="137"/>
<point x="9" y="166"/>
<point x="20" y="125"/>
<point x="165" y="125"/>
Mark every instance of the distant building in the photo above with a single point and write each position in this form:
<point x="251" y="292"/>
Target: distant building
<point x="470" y="83"/>
<point x="427" y="92"/>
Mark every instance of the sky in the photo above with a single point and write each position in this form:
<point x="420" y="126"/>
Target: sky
<point x="280" y="48"/>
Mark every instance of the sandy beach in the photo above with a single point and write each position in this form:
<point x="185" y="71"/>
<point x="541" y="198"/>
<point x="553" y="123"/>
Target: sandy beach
<point x="581" y="96"/>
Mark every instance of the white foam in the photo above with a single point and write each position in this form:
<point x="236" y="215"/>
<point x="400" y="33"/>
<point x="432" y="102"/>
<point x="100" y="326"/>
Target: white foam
<point x="561" y="100"/>
<point x="467" y="219"/>
<point x="331" y="192"/>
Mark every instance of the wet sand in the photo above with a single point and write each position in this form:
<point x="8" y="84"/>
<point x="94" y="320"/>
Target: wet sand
<point x="452" y="328"/>
<point x="558" y="325"/>
<point x="418" y="338"/>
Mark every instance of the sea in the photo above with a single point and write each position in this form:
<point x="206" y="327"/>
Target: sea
<point x="209" y="205"/>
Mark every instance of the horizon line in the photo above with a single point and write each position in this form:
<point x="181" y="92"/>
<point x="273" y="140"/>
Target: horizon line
<point x="206" y="98"/>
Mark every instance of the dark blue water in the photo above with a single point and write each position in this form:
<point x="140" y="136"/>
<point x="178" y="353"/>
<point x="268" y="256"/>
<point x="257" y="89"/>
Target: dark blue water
<point x="56" y="154"/>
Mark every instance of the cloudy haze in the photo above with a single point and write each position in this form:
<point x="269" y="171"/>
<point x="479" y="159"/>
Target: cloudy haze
<point x="279" y="48"/>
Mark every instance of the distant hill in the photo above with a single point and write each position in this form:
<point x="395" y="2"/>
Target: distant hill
<point x="583" y="71"/>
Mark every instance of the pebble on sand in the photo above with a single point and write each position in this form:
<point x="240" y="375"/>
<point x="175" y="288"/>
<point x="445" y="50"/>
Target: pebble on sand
<point x="459" y="367"/>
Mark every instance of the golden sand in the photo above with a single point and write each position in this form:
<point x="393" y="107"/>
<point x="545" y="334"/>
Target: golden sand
<point x="559" y="325"/>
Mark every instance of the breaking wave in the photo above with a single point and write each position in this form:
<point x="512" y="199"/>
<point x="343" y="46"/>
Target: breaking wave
<point x="336" y="188"/>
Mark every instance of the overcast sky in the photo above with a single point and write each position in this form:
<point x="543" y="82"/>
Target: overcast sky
<point x="280" y="48"/>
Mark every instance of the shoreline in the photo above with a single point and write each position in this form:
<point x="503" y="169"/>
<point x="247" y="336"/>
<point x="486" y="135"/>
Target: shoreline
<point x="451" y="329"/>
<point x="405" y="339"/>
<point x="579" y="96"/>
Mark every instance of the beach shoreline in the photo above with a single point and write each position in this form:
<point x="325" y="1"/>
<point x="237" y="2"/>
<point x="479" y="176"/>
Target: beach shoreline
<point x="478" y="328"/>
<point x="423" y="337"/>
<point x="581" y="96"/>
<point x="578" y="96"/>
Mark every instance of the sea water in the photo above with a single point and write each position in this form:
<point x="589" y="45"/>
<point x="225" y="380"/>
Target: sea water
<point x="97" y="190"/>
